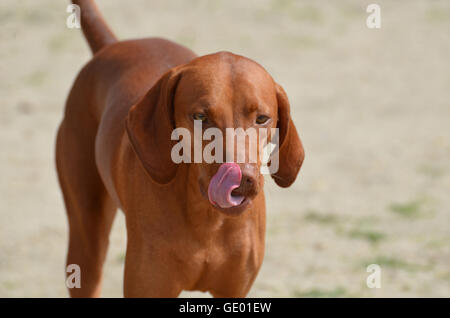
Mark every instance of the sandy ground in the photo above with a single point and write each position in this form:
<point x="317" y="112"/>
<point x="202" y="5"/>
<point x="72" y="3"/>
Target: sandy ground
<point x="372" y="108"/>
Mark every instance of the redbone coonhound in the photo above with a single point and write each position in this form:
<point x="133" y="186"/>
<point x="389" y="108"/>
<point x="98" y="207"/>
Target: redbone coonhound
<point x="190" y="226"/>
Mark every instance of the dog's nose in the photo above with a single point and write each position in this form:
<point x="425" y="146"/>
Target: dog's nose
<point x="249" y="181"/>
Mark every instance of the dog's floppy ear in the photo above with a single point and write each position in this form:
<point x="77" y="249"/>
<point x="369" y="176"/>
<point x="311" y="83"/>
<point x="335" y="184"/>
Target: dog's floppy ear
<point x="290" y="148"/>
<point x="149" y="126"/>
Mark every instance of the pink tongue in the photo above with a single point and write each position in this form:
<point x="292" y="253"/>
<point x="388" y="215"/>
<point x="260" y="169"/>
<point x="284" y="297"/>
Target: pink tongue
<point x="227" y="178"/>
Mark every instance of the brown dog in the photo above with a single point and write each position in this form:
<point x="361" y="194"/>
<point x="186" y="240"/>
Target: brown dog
<point x="114" y="151"/>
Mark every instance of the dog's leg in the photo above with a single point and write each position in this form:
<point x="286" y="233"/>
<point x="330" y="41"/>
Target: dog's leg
<point x="90" y="210"/>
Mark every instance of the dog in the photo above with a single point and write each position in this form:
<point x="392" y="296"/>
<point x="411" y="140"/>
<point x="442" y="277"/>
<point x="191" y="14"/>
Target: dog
<point x="190" y="226"/>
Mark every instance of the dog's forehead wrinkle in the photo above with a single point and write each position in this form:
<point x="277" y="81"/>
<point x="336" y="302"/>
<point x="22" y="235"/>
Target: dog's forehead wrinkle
<point x="214" y="83"/>
<point x="223" y="64"/>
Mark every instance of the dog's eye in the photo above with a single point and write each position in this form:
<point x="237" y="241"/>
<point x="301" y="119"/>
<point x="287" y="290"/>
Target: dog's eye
<point x="199" y="116"/>
<point x="262" y="119"/>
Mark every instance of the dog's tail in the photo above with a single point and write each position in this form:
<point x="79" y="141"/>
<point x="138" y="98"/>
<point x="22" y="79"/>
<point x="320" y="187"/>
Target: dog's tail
<point x="96" y="31"/>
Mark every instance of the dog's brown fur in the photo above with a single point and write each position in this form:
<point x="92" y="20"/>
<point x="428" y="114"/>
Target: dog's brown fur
<point x="113" y="151"/>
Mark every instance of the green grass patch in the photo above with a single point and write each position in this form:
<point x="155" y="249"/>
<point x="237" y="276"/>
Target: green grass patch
<point x="32" y="17"/>
<point x="321" y="293"/>
<point x="431" y="171"/>
<point x="370" y="236"/>
<point x="299" y="41"/>
<point x="317" y="217"/>
<point x="303" y="13"/>
<point x="351" y="11"/>
<point x="307" y="13"/>
<point x="366" y="221"/>
<point x="407" y="209"/>
<point x="36" y="78"/>
<point x="9" y="285"/>
<point x="445" y="276"/>
<point x="437" y="243"/>
<point x="437" y="15"/>
<point x="393" y="263"/>
<point x="59" y="42"/>
<point x="120" y="258"/>
<point x="187" y="39"/>
<point x="281" y="5"/>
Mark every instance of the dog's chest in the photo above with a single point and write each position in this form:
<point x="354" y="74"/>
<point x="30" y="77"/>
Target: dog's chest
<point x="228" y="260"/>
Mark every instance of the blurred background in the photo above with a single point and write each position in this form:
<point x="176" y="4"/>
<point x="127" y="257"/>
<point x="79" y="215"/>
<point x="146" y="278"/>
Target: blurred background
<point x="371" y="105"/>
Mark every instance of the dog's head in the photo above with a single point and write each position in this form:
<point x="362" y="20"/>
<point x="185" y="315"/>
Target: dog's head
<point x="203" y="100"/>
